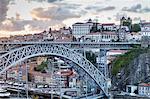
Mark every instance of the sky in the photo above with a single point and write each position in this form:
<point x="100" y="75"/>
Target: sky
<point x="34" y="16"/>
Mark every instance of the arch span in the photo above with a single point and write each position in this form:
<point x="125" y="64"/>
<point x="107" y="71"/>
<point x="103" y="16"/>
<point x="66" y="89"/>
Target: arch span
<point x="17" y="55"/>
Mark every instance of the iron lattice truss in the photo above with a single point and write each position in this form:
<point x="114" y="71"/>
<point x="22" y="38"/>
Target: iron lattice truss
<point x="15" y="56"/>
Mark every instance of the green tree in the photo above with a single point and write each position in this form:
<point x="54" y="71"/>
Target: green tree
<point x="91" y="57"/>
<point x="125" y="59"/>
<point x="42" y="66"/>
<point x="94" y="28"/>
<point x="135" y="28"/>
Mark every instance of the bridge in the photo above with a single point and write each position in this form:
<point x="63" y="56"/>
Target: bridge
<point x="20" y="51"/>
<point x="7" y="46"/>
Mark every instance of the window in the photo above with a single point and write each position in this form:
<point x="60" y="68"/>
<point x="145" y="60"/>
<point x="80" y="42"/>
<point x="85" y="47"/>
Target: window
<point x="129" y="89"/>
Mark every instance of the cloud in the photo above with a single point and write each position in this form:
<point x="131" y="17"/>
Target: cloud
<point x="54" y="13"/>
<point x="97" y="8"/>
<point x="118" y="16"/>
<point x="109" y="18"/>
<point x="42" y="18"/>
<point x="19" y="25"/>
<point x="91" y="7"/>
<point x="3" y="9"/>
<point x="146" y="9"/>
<point x="137" y="18"/>
<point x="69" y="5"/>
<point x="106" y="8"/>
<point x="51" y="1"/>
<point x="136" y="8"/>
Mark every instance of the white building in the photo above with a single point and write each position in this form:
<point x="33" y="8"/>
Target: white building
<point x="131" y="89"/>
<point x="81" y="29"/>
<point x="144" y="89"/>
<point x="122" y="34"/>
<point x="145" y="28"/>
<point x="126" y="28"/>
<point x="65" y="30"/>
<point x="102" y="36"/>
<point x="133" y="36"/>
<point x="99" y="26"/>
<point x="108" y="26"/>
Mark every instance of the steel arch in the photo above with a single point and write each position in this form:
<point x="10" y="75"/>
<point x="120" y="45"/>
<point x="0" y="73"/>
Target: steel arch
<point x="17" y="55"/>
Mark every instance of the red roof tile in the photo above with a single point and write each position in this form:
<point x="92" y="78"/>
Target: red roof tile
<point x="144" y="84"/>
<point x="108" y="24"/>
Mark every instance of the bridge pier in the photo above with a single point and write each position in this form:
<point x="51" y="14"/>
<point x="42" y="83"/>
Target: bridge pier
<point x="102" y="62"/>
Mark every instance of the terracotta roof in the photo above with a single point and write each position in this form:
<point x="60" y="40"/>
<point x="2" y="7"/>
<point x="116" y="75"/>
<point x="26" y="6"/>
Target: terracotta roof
<point x="108" y="24"/>
<point x="146" y="23"/>
<point x="40" y="74"/>
<point x="99" y="33"/>
<point x="94" y="33"/>
<point x="110" y="33"/>
<point x="145" y="84"/>
<point x="118" y="51"/>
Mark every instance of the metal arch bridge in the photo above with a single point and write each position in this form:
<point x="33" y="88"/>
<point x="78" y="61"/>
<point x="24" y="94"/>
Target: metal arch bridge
<point x="7" y="46"/>
<point x="107" y="45"/>
<point x="15" y="56"/>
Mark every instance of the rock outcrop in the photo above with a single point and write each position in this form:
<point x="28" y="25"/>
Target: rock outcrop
<point x="136" y="72"/>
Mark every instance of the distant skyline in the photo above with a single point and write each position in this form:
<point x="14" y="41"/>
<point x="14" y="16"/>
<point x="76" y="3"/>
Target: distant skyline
<point x="32" y="16"/>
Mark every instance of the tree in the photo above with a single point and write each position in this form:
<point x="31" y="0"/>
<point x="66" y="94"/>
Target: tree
<point x="94" y="28"/>
<point x="91" y="57"/>
<point x="42" y="66"/>
<point x="135" y="28"/>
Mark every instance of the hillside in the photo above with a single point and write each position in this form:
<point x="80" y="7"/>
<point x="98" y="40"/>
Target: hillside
<point x="131" y="68"/>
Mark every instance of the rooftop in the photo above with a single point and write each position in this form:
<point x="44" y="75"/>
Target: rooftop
<point x="145" y="84"/>
<point x="108" y="24"/>
<point x="99" y="33"/>
<point x="145" y="23"/>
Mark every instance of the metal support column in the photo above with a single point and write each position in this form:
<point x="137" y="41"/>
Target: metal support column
<point x="19" y="77"/>
<point x="102" y="62"/>
<point x="27" y="79"/>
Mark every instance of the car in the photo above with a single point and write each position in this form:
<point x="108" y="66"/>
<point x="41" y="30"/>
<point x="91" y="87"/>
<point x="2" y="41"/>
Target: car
<point x="10" y="83"/>
<point x="40" y="86"/>
<point x="2" y="82"/>
<point x="21" y="84"/>
<point x="46" y="86"/>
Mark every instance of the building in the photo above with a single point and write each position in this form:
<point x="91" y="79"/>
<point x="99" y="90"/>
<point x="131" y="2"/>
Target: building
<point x="109" y="36"/>
<point x="144" y="89"/>
<point x="80" y="29"/>
<point x="65" y="30"/>
<point x="116" y="52"/>
<point x="133" y="36"/>
<point x="122" y="34"/>
<point x="126" y="21"/>
<point x="108" y="26"/>
<point x="145" y="28"/>
<point x="101" y="36"/>
<point x="99" y="26"/>
<point x="131" y="89"/>
<point x="126" y="28"/>
<point x="41" y="77"/>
